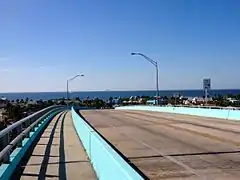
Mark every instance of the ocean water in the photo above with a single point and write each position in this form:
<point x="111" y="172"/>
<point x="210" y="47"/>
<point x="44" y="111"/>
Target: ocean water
<point x="107" y="94"/>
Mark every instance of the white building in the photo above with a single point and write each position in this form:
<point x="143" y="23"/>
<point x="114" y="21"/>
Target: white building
<point x="232" y="100"/>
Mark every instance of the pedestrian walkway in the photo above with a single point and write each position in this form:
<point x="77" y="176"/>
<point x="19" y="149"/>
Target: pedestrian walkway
<point x="57" y="155"/>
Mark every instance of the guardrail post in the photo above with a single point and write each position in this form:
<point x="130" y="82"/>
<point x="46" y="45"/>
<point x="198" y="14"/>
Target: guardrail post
<point x="27" y="125"/>
<point x="6" y="140"/>
<point x="19" y="130"/>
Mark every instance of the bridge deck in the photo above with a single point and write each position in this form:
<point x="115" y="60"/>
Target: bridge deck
<point x="171" y="146"/>
<point x="57" y="155"/>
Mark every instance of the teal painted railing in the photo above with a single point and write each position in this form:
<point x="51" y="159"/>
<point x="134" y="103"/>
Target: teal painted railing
<point x="107" y="163"/>
<point x="6" y="170"/>
<point x="228" y="114"/>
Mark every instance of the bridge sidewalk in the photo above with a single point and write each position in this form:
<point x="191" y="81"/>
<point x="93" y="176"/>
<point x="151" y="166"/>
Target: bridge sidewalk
<point x="57" y="155"/>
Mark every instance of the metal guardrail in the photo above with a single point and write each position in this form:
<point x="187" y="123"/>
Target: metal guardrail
<point x="21" y="129"/>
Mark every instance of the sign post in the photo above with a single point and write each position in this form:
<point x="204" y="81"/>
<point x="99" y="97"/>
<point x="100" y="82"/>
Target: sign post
<point x="206" y="87"/>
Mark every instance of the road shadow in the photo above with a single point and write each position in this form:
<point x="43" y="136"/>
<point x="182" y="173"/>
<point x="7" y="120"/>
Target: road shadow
<point x="43" y="169"/>
<point x="62" y="166"/>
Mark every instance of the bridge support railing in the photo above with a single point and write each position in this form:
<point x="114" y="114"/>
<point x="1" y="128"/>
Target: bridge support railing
<point x="15" y="136"/>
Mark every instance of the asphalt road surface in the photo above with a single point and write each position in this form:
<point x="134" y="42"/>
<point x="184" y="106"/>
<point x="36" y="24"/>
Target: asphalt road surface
<point x="172" y="146"/>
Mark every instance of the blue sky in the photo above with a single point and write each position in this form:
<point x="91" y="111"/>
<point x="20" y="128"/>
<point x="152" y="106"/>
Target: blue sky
<point x="43" y="43"/>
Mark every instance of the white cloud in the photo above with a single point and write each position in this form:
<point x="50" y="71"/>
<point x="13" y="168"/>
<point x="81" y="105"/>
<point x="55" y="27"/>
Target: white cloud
<point x="2" y="59"/>
<point x="5" y="69"/>
<point x="45" y="67"/>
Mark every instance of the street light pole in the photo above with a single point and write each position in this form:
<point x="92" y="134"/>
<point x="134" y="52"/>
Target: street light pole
<point x="71" y="80"/>
<point x="67" y="91"/>
<point x="155" y="64"/>
<point x="157" y="82"/>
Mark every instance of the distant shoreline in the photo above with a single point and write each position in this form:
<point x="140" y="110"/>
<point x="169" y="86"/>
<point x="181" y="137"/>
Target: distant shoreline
<point x="120" y="91"/>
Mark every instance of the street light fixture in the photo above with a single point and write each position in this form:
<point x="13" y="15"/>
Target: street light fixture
<point x="78" y="75"/>
<point x="155" y="64"/>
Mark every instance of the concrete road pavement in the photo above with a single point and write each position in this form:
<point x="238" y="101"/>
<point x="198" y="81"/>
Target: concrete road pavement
<point x="172" y="146"/>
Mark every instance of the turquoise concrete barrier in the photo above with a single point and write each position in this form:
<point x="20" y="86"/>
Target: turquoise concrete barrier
<point x="214" y="113"/>
<point x="6" y="170"/>
<point x="107" y="163"/>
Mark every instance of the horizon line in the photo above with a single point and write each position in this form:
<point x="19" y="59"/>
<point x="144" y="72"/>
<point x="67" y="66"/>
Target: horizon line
<point x="117" y="90"/>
